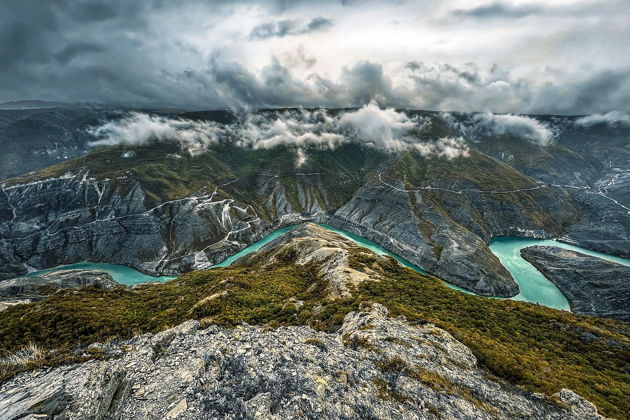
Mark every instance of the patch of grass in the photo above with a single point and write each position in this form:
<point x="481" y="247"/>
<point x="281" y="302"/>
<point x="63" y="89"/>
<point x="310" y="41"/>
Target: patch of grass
<point x="313" y="341"/>
<point x="398" y="341"/>
<point x="356" y="342"/>
<point x="29" y="354"/>
<point x="387" y="392"/>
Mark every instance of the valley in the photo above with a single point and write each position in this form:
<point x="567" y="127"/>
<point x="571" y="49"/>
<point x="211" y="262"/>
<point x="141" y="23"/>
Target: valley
<point x="231" y="235"/>
<point x="533" y="285"/>
<point x="306" y="286"/>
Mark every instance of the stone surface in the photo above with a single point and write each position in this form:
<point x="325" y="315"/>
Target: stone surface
<point x="373" y="367"/>
<point x="593" y="286"/>
<point x="27" y="289"/>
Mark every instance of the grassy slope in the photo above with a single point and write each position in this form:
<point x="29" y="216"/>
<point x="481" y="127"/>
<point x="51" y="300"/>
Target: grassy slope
<point x="480" y="172"/>
<point x="538" y="348"/>
<point x="166" y="174"/>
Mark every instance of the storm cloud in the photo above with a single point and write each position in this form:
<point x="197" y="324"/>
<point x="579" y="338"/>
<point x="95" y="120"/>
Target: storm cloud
<point x="489" y="56"/>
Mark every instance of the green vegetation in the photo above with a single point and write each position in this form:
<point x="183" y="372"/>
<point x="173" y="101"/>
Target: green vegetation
<point x="532" y="346"/>
<point x="166" y="173"/>
<point x="480" y="172"/>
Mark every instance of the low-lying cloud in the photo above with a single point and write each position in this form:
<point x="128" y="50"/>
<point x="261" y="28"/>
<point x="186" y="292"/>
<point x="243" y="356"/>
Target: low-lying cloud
<point x="490" y="125"/>
<point x="382" y="129"/>
<point x="613" y="119"/>
<point x="137" y="129"/>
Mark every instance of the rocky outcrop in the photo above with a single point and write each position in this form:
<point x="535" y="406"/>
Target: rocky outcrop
<point x="373" y="367"/>
<point x="593" y="286"/>
<point x="409" y="224"/>
<point x="328" y="251"/>
<point x="41" y="286"/>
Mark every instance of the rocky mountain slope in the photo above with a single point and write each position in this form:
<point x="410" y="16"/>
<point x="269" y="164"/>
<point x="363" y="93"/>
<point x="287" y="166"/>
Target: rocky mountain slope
<point x="592" y="285"/>
<point x="31" y="139"/>
<point x="171" y="215"/>
<point x="307" y="292"/>
<point x="374" y="366"/>
<point x="162" y="210"/>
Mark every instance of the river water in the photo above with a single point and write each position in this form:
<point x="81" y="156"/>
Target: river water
<point x="534" y="286"/>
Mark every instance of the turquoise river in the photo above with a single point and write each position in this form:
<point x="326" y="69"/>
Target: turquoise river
<point x="533" y="285"/>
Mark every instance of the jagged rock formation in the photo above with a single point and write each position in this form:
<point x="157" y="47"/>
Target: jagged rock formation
<point x="374" y="367"/>
<point x="592" y="285"/>
<point x="39" y="287"/>
<point x="79" y="217"/>
<point x="164" y="212"/>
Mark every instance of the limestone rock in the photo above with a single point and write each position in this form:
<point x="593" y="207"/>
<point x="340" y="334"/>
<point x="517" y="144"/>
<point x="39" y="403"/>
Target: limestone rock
<point x="373" y="367"/>
<point x="593" y="286"/>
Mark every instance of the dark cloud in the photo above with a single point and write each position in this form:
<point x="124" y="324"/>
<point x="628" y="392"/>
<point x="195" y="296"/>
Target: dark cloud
<point x="287" y="27"/>
<point x="167" y="53"/>
<point x="77" y="49"/>
<point x="499" y="10"/>
<point x="92" y="12"/>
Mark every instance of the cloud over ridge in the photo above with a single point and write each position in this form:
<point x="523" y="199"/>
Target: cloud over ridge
<point x="613" y="118"/>
<point x="385" y="130"/>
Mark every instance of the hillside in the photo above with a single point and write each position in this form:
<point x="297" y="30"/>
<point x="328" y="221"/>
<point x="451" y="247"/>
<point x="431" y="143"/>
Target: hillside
<point x="176" y="212"/>
<point x="316" y="278"/>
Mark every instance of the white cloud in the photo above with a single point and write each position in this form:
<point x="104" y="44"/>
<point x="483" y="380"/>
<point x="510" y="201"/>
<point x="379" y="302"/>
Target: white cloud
<point x="382" y="129"/>
<point x="488" y="124"/>
<point x="138" y="129"/>
<point x="385" y="129"/>
<point x="448" y="147"/>
<point x="613" y="118"/>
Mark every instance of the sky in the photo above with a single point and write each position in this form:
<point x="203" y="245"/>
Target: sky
<point x="511" y="56"/>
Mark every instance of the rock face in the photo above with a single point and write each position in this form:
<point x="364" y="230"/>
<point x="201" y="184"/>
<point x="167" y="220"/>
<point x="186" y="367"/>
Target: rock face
<point x="77" y="217"/>
<point x="39" y="287"/>
<point x="374" y="367"/>
<point x="439" y="214"/>
<point x="592" y="285"/>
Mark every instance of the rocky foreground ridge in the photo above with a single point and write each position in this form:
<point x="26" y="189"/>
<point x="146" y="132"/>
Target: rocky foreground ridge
<point x="373" y="367"/>
<point x="300" y="330"/>
<point x="593" y="286"/>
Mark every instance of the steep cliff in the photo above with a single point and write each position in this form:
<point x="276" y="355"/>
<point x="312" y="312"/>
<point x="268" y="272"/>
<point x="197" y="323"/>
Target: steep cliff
<point x="592" y="285"/>
<point x="170" y="214"/>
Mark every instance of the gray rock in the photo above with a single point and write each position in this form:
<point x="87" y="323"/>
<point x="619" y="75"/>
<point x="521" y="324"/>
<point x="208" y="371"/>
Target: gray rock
<point x="41" y="286"/>
<point x="593" y="286"/>
<point x="75" y="218"/>
<point x="374" y="367"/>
